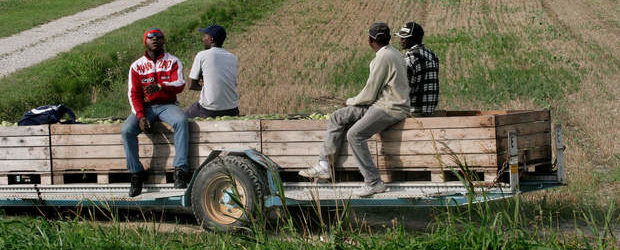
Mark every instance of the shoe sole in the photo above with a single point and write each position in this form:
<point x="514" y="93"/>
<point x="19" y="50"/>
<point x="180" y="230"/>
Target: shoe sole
<point x="318" y="177"/>
<point x="371" y="194"/>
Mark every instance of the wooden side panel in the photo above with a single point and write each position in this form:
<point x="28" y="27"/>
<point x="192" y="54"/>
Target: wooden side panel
<point x="148" y="150"/>
<point x="533" y="129"/>
<point x="435" y="144"/>
<point x="24" y="149"/>
<point x="99" y="148"/>
<point x="296" y="144"/>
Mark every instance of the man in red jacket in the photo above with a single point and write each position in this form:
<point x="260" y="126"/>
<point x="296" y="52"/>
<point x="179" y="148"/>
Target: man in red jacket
<point x="155" y="79"/>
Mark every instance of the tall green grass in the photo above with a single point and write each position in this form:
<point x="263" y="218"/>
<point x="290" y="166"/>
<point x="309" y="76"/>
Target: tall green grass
<point x="92" y="78"/>
<point x="513" y="223"/>
<point x="20" y="15"/>
<point x="493" y="225"/>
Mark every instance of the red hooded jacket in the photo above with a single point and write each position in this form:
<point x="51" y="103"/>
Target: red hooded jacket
<point x="166" y="70"/>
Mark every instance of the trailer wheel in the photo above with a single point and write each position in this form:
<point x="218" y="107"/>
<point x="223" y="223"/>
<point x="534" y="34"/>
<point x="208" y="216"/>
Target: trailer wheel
<point x="214" y="203"/>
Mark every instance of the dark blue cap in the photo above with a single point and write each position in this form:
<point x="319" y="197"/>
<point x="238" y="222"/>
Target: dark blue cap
<point x="217" y="32"/>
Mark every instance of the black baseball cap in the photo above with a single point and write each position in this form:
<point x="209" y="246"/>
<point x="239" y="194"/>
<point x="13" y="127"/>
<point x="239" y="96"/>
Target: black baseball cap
<point x="410" y="29"/>
<point x="379" y="29"/>
<point x="217" y="32"/>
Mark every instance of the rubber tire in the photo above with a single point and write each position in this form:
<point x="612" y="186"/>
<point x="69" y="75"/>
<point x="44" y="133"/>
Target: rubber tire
<point x="245" y="172"/>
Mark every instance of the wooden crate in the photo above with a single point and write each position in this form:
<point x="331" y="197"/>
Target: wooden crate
<point x="25" y="150"/>
<point x="99" y="149"/>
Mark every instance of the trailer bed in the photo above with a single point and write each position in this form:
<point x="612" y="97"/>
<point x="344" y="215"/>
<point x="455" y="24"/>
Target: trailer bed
<point x="419" y="158"/>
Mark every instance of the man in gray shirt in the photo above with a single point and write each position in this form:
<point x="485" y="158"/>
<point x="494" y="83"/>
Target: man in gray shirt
<point x="383" y="102"/>
<point x="218" y="69"/>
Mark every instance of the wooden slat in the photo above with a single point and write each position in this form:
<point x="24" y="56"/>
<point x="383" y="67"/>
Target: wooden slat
<point x="305" y="148"/>
<point x="298" y="162"/>
<point x="444" y="147"/>
<point x="293" y="136"/>
<point x="24" y="141"/>
<point x="477" y="112"/>
<point x="431" y="161"/>
<point x="24" y="130"/>
<point x="446" y="122"/>
<point x="85" y="129"/>
<point x="119" y="164"/>
<point x="24" y="153"/>
<point x="298" y="136"/>
<point x="222" y="126"/>
<point x="526" y="142"/>
<point x="144" y="139"/>
<point x="202" y="126"/>
<point x="522" y="117"/>
<point x="24" y="165"/>
<point x="524" y="128"/>
<point x="157" y="150"/>
<point x="294" y="125"/>
<point x="534" y="154"/>
<point x="437" y="134"/>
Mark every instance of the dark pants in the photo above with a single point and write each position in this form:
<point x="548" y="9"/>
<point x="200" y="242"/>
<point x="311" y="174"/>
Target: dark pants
<point x="195" y="110"/>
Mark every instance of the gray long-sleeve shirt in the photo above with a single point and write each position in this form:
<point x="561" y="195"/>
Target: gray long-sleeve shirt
<point x="387" y="87"/>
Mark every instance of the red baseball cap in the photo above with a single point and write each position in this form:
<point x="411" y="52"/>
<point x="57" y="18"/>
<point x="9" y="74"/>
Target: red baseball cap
<point x="152" y="32"/>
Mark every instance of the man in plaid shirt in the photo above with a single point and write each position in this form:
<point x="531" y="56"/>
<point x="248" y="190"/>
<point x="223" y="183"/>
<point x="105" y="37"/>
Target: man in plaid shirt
<point x="422" y="70"/>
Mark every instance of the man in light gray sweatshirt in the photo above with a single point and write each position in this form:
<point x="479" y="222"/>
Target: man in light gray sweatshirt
<point x="383" y="102"/>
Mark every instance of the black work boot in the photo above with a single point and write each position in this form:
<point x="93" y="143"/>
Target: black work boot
<point x="179" y="178"/>
<point x="136" y="184"/>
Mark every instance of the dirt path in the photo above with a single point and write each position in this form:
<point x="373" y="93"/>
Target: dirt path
<point x="43" y="42"/>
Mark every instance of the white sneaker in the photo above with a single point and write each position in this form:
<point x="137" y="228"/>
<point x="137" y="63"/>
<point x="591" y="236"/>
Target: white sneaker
<point x="320" y="171"/>
<point x="368" y="190"/>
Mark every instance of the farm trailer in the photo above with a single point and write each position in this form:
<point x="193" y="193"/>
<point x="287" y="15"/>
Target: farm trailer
<point x="425" y="161"/>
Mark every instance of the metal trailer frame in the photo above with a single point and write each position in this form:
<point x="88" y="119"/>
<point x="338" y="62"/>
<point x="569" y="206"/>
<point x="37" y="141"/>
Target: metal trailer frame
<point x="165" y="196"/>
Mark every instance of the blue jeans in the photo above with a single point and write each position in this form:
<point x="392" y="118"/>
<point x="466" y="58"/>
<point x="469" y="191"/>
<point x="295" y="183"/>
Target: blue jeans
<point x="168" y="113"/>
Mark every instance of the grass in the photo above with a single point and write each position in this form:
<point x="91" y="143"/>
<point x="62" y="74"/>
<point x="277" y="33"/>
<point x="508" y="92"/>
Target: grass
<point x="506" y="224"/>
<point x="507" y="72"/>
<point x="20" y="15"/>
<point x="91" y="78"/>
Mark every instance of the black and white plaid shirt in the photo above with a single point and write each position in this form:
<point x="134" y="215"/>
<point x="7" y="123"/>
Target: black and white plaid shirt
<point x="423" y="74"/>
